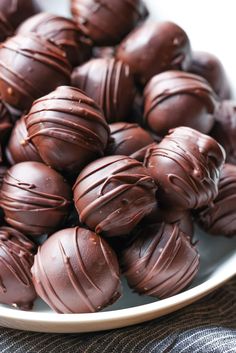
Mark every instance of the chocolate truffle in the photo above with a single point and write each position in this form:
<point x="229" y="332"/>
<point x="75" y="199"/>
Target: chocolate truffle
<point x="104" y="52"/>
<point x="107" y="22"/>
<point x="219" y="217"/>
<point x="16" y="11"/>
<point x="113" y="194"/>
<point x="35" y="198"/>
<point x="110" y="83"/>
<point x="76" y="271"/>
<point x="161" y="261"/>
<point x="6" y="29"/>
<point x="153" y="48"/>
<point x="129" y="140"/>
<point x="37" y="66"/>
<point x="209" y="66"/>
<point x="176" y="98"/>
<point x="19" y="149"/>
<point x="5" y="122"/>
<point x="224" y="130"/>
<point x="186" y="166"/>
<point x="16" y="259"/>
<point x="62" y="32"/>
<point x="68" y="129"/>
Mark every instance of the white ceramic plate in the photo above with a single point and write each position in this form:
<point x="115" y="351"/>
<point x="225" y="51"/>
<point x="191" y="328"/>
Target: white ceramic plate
<point x="218" y="256"/>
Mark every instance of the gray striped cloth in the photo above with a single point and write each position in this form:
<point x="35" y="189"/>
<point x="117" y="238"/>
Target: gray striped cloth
<point x="208" y="326"/>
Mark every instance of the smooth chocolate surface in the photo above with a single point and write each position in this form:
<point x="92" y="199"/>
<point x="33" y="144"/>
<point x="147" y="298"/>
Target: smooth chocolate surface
<point x="16" y="259"/>
<point x="63" y="32"/>
<point x="35" y="198"/>
<point x="113" y="194"/>
<point x="110" y="83"/>
<point x="107" y="22"/>
<point x="161" y="261"/>
<point x="76" y="271"/>
<point x="129" y="140"/>
<point x="209" y="66"/>
<point x="19" y="148"/>
<point x="155" y="47"/>
<point x="16" y="11"/>
<point x="68" y="129"/>
<point x="176" y="98"/>
<point x="224" y="130"/>
<point x="37" y="67"/>
<point x="219" y="217"/>
<point x="186" y="166"/>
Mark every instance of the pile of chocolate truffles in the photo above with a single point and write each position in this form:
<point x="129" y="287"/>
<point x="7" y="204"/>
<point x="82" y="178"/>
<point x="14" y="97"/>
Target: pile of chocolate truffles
<point x="114" y="134"/>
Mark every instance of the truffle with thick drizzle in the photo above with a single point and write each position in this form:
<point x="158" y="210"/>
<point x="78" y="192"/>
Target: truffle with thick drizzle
<point x="76" y="271"/>
<point x="113" y="194"/>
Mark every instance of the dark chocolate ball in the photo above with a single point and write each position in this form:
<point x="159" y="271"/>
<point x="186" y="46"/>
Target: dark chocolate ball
<point x="219" y="217"/>
<point x="6" y="29"/>
<point x="107" y="22"/>
<point x="209" y="66"/>
<point x="186" y="166"/>
<point x="16" y="260"/>
<point x="37" y="67"/>
<point x="155" y="47"/>
<point x="5" y="122"/>
<point x="129" y="140"/>
<point x="35" y="198"/>
<point x="16" y="11"/>
<point x="224" y="130"/>
<point x="19" y="149"/>
<point x="176" y="98"/>
<point x="68" y="129"/>
<point x="161" y="261"/>
<point x="110" y="83"/>
<point x="113" y="194"/>
<point x="76" y="271"/>
<point x="61" y="31"/>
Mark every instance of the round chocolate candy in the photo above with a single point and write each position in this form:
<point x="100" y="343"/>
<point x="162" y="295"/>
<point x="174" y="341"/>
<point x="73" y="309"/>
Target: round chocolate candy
<point x="219" y="217"/>
<point x="19" y="149"/>
<point x="224" y="130"/>
<point x="5" y="122"/>
<point x="35" y="198"/>
<point x="63" y="32"/>
<point x="176" y="98"/>
<point x="161" y="261"/>
<point x="209" y="66"/>
<point x="110" y="83"/>
<point x="186" y="166"/>
<point x="68" y="129"/>
<point x="107" y="22"/>
<point x="6" y="29"/>
<point x="155" y="47"/>
<point x="129" y="140"/>
<point x="113" y="194"/>
<point x="16" y="11"/>
<point x="76" y="271"/>
<point x="16" y="260"/>
<point x="37" y="66"/>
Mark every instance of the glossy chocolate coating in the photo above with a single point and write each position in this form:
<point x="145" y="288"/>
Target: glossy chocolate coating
<point x="110" y="83"/>
<point x="219" y="217"/>
<point x="19" y="149"/>
<point x="76" y="271"/>
<point x="224" y="130"/>
<point x="61" y="31"/>
<point x="68" y="129"/>
<point x="103" y="52"/>
<point x="16" y="11"/>
<point x="176" y="98"/>
<point x="35" y="198"/>
<point x="129" y="140"/>
<point x="155" y="47"/>
<point x="6" y="29"/>
<point x="107" y="22"/>
<point x="186" y="166"/>
<point x="16" y="259"/>
<point x="37" y="66"/>
<point x="113" y="194"/>
<point x="161" y="261"/>
<point x="5" y="123"/>
<point x="209" y="66"/>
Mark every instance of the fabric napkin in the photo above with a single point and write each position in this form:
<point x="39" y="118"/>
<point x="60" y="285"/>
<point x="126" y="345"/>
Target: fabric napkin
<point x="208" y="326"/>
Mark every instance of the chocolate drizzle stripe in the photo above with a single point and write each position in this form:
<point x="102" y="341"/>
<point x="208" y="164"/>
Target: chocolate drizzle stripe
<point x="106" y="257"/>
